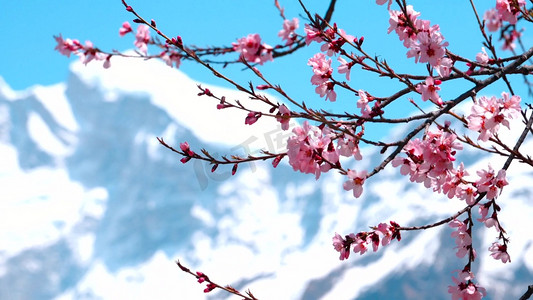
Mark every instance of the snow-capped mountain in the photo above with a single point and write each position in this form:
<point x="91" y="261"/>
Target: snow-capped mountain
<point x="92" y="207"/>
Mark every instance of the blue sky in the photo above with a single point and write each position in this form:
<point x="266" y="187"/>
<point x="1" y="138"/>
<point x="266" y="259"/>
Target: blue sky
<point x="29" y="57"/>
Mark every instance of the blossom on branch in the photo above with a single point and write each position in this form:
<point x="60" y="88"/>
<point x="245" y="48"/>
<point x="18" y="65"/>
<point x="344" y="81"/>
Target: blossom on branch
<point x="126" y="28"/>
<point x="142" y="37"/>
<point x="499" y="252"/>
<point x="355" y="182"/>
<point x="487" y="114"/>
<point x="429" y="89"/>
<point x="465" y="289"/>
<point x="288" y="33"/>
<point x="252" y="50"/>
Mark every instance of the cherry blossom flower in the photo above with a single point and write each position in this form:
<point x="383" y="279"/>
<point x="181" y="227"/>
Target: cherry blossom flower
<point x="398" y="23"/>
<point x="355" y="182"/>
<point x="345" y="67"/>
<point x="381" y="2"/>
<point x="252" y="117"/>
<point x="187" y="152"/>
<point x="465" y="289"/>
<point x="126" y="28"/>
<point x="429" y="89"/>
<point x="490" y="183"/>
<point x="492" y="19"/>
<point x="312" y="35"/>
<point x="326" y="89"/>
<point x="309" y="149"/>
<point x="386" y="233"/>
<point x="171" y="58"/>
<point x="462" y="237"/>
<point x="283" y="116"/>
<point x="335" y="45"/>
<point x="343" y="246"/>
<point x="321" y="68"/>
<point x="360" y="244"/>
<point x="288" y="33"/>
<point x="488" y="113"/>
<point x="142" y="37"/>
<point x="67" y="46"/>
<point x="499" y="252"/>
<point x="349" y="146"/>
<point x="362" y="103"/>
<point x="431" y="46"/>
<point x="482" y="56"/>
<point x="444" y="67"/>
<point x="252" y="50"/>
<point x="508" y="10"/>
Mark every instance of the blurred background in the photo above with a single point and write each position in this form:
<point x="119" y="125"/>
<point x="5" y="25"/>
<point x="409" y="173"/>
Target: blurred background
<point x="92" y="207"/>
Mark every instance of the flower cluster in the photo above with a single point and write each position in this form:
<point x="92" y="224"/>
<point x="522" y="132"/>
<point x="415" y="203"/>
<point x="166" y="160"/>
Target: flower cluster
<point x="383" y="233"/>
<point x="187" y="152"/>
<point x="490" y="183"/>
<point x="464" y="288"/>
<point x="203" y="278"/>
<point x="312" y="149"/>
<point x="86" y="52"/>
<point x="252" y="50"/>
<point x="430" y="161"/>
<point x="426" y="44"/>
<point x="321" y="74"/>
<point x="487" y="114"/>
<point x="505" y="10"/>
<point x="463" y="238"/>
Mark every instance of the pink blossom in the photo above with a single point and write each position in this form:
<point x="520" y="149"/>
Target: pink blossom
<point x="355" y="182"/>
<point x="499" y="252"/>
<point x="362" y="103"/>
<point x="462" y="237"/>
<point x="126" y="28"/>
<point x="142" y="37"/>
<point x="252" y="117"/>
<point x="385" y="232"/>
<point x="321" y="68"/>
<point x="492" y="20"/>
<point x="381" y="2"/>
<point x="283" y="116"/>
<point x="444" y="67"/>
<point x="252" y="50"/>
<point x="508" y="10"/>
<point x="288" y="33"/>
<point x="345" y="67"/>
<point x="429" y="47"/>
<point x="308" y="148"/>
<point x="349" y="146"/>
<point x="343" y="246"/>
<point x="360" y="245"/>
<point x="465" y="289"/>
<point x="429" y="89"/>
<point x="171" y="58"/>
<point x="68" y="46"/>
<point x="326" y="89"/>
<point x="467" y="192"/>
<point x="488" y="113"/>
<point x="398" y="23"/>
<point x="312" y="35"/>
<point x="107" y="62"/>
<point x="335" y="45"/>
<point x="490" y="183"/>
<point x="482" y="56"/>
